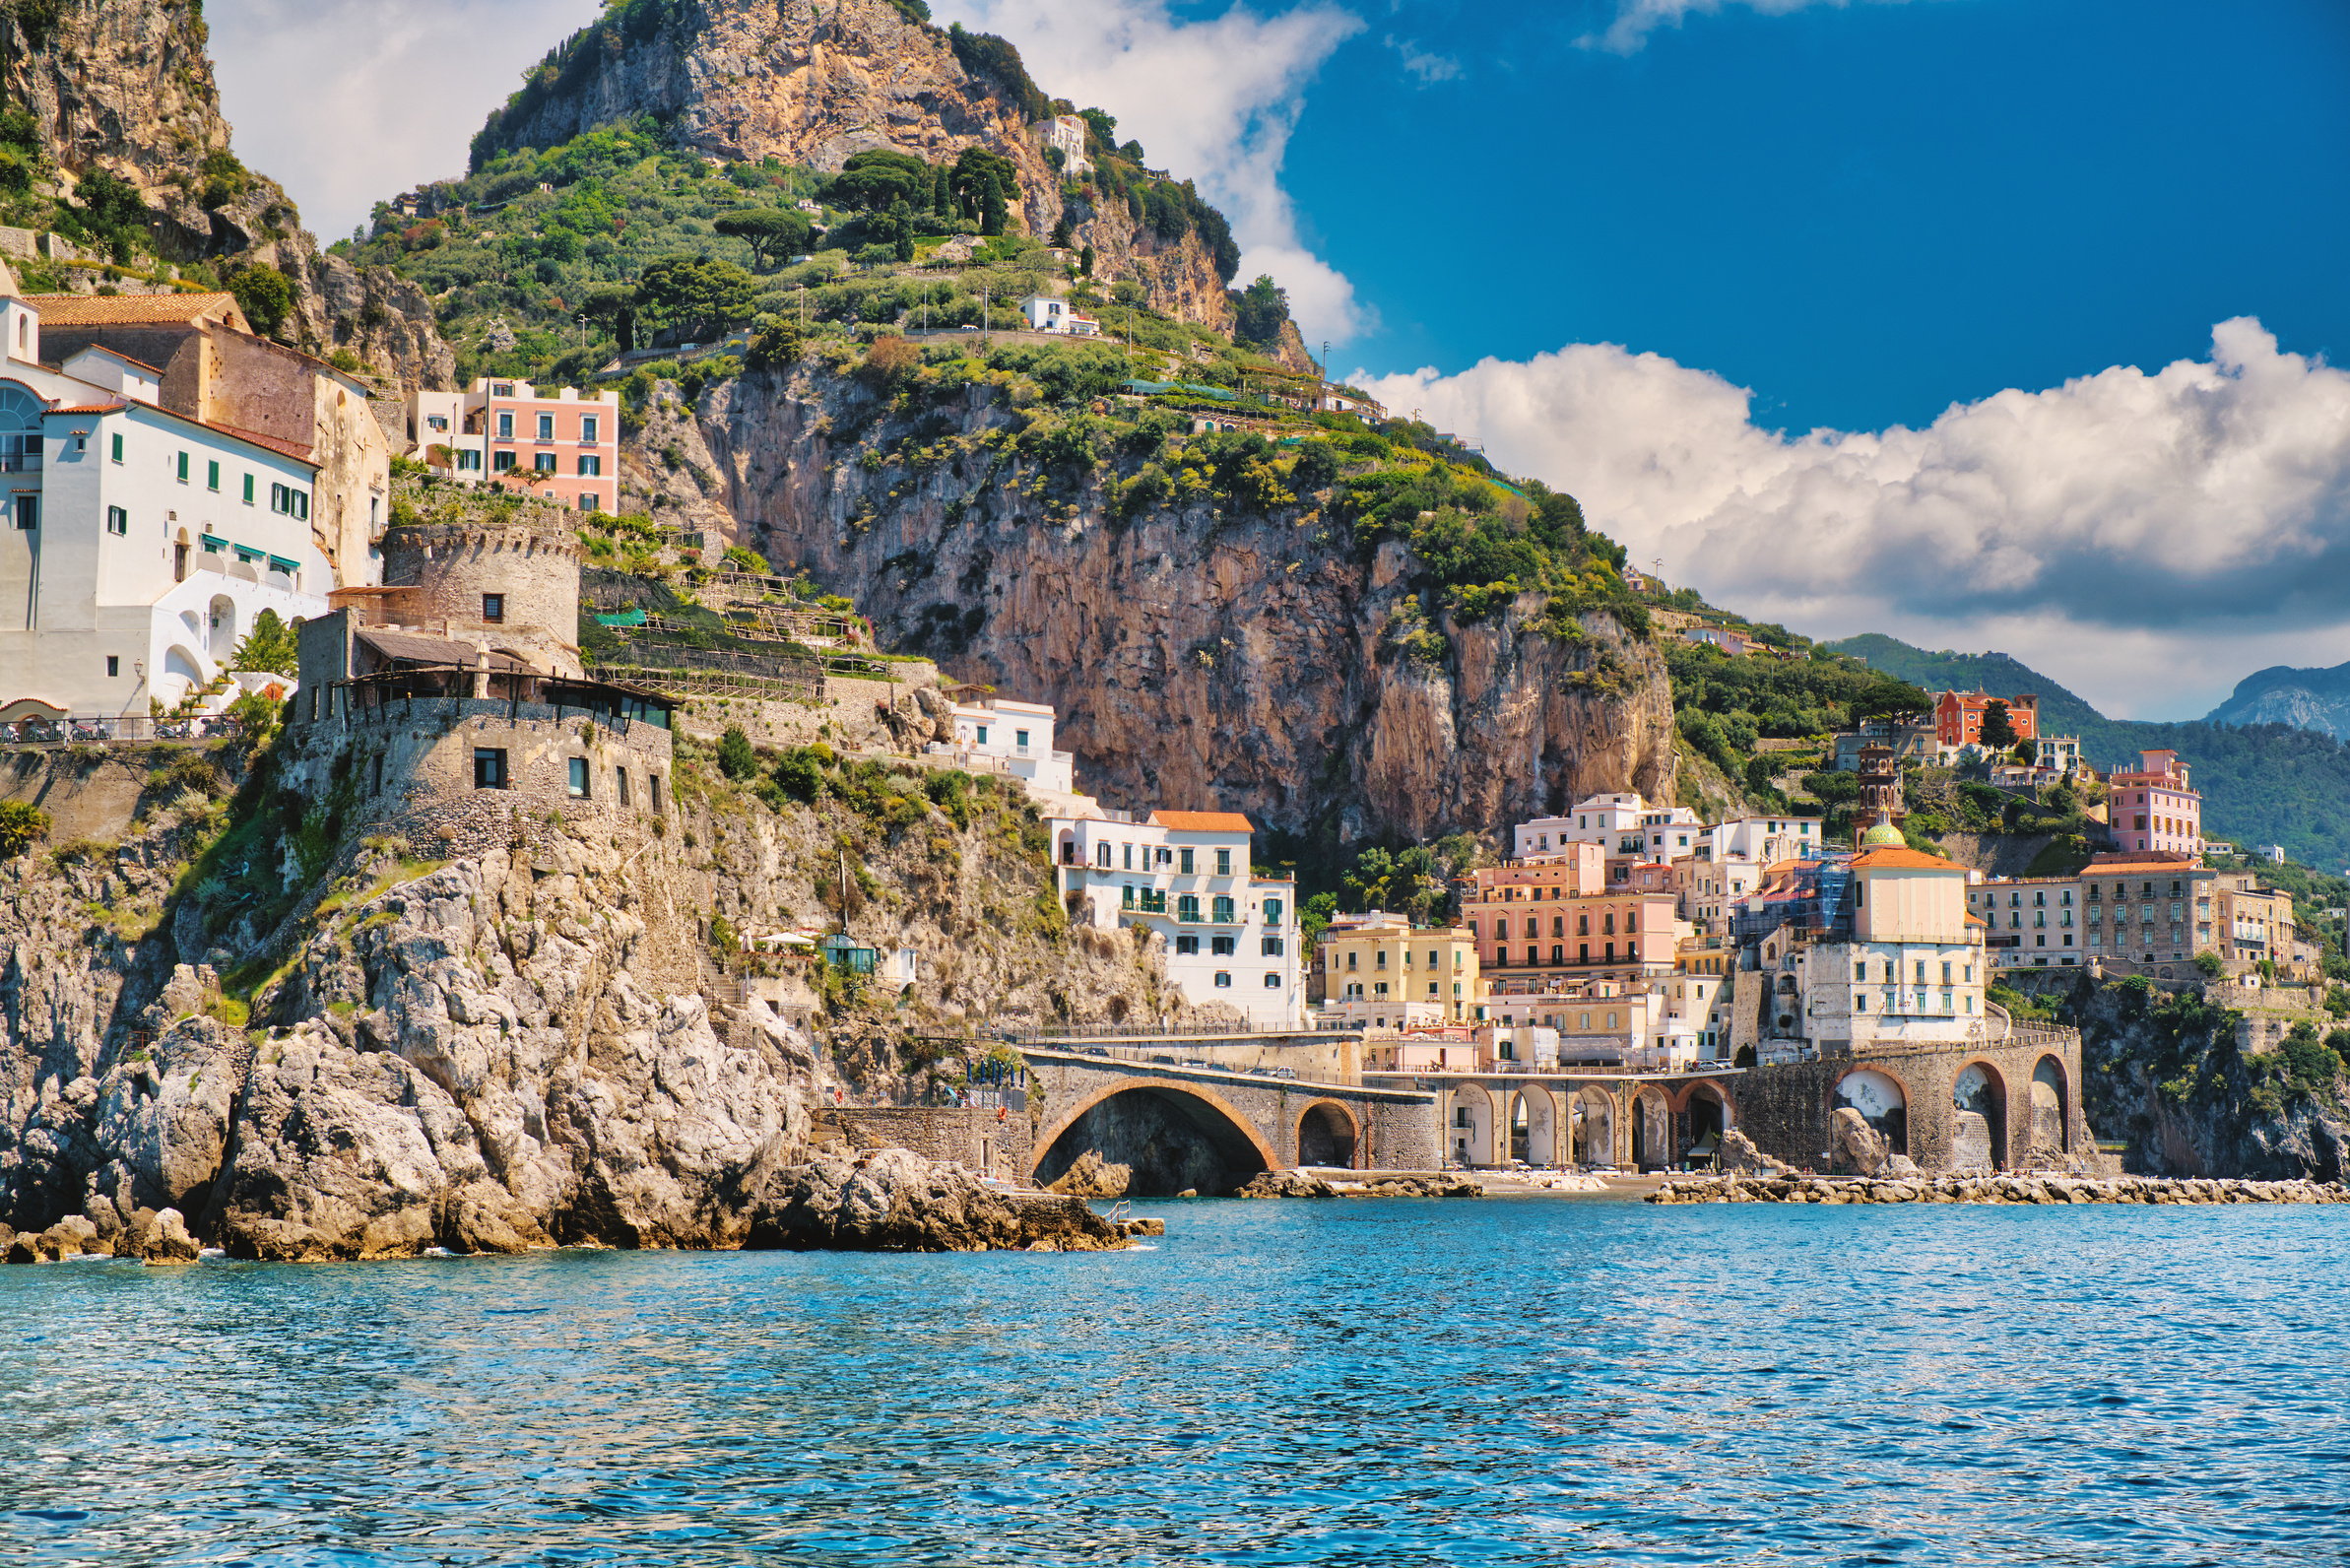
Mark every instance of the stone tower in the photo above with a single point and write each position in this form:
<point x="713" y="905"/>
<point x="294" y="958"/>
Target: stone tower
<point x="1880" y="788"/>
<point x="511" y="589"/>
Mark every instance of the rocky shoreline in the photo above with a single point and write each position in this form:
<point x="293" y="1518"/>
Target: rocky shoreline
<point x="1987" y="1188"/>
<point x="1399" y="1183"/>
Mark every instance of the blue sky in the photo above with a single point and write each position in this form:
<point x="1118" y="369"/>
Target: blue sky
<point x="1986" y="324"/>
<point x="1862" y="212"/>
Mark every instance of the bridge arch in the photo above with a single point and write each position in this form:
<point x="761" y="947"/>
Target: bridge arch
<point x="1328" y="1134"/>
<point x="1534" y="1125"/>
<point x="1172" y="1134"/>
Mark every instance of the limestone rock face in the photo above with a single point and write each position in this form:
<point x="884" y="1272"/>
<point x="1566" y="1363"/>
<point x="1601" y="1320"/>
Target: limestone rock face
<point x="1091" y="1176"/>
<point x="1859" y="1148"/>
<point x="895" y="1201"/>
<point x="1194" y="656"/>
<point x="818" y="81"/>
<point x="126" y="86"/>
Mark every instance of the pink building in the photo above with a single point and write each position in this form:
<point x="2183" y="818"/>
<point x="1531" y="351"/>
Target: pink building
<point x="561" y="446"/>
<point x="2154" y="807"/>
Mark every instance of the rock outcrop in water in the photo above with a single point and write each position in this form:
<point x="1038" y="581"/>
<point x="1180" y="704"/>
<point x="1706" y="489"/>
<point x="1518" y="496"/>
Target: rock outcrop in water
<point x="892" y="1200"/>
<point x="1990" y="1188"/>
<point x="530" y="1045"/>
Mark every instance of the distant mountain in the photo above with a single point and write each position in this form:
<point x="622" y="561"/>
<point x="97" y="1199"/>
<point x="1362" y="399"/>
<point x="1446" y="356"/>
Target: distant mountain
<point x="2265" y="781"/>
<point x="2307" y="699"/>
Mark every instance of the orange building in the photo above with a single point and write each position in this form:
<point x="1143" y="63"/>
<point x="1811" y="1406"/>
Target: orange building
<point x="1958" y="717"/>
<point x="1558" y="917"/>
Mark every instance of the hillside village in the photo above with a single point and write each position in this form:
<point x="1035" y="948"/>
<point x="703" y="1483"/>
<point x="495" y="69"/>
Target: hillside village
<point x="869" y="602"/>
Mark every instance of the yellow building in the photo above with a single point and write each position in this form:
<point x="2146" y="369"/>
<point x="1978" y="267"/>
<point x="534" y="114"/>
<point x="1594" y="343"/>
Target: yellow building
<point x="1377" y="969"/>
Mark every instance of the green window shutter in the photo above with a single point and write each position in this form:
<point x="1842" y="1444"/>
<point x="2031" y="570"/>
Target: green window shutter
<point x="211" y="476"/>
<point x="183" y="468"/>
<point x="249" y="490"/>
<point x="117" y="446"/>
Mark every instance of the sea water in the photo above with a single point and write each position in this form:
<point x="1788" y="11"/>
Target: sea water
<point x="1512" y="1381"/>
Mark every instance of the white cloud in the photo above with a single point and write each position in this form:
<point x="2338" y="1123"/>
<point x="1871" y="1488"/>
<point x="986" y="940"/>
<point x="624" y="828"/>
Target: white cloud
<point x="1635" y="19"/>
<point x="2156" y="535"/>
<point x="1214" y="100"/>
<point x="1429" y="67"/>
<point x="348" y="102"/>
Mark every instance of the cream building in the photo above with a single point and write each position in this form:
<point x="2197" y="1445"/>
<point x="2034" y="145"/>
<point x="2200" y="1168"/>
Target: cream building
<point x="1378" y="972"/>
<point x="1912" y="970"/>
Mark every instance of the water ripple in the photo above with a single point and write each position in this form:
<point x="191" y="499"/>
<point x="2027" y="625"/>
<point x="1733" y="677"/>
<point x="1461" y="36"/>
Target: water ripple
<point x="1368" y="1383"/>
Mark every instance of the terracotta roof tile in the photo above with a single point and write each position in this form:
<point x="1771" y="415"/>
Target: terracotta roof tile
<point x="1892" y="859"/>
<point x="114" y="310"/>
<point x="1203" y="821"/>
<point x="294" y="449"/>
<point x="89" y="408"/>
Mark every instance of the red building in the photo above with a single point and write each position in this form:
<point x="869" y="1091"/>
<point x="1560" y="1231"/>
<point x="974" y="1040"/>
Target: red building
<point x="1958" y="717"/>
<point x="2154" y="807"/>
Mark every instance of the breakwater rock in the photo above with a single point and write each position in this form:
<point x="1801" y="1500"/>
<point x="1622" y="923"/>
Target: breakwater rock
<point x="895" y="1201"/>
<point x="1985" y="1188"/>
<point x="1400" y="1184"/>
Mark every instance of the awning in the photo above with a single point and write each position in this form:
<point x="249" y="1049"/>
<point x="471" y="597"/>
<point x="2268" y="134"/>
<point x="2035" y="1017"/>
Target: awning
<point x="280" y="563"/>
<point x="212" y="545"/>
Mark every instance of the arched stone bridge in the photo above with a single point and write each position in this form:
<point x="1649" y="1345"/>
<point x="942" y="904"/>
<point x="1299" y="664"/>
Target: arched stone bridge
<point x="1183" y="1123"/>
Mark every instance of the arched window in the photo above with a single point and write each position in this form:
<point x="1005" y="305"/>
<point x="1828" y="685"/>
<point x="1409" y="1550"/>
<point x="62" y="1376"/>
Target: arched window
<point x="19" y="428"/>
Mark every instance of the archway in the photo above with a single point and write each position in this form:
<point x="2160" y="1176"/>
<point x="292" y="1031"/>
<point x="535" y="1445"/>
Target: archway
<point x="1327" y="1135"/>
<point x="1534" y="1128"/>
<point x="1169" y="1139"/>
<point x="1979" y="1097"/>
<point x="1471" y="1132"/>
<point x="2052" y="1121"/>
<point x="1709" y="1118"/>
<point x="1595" y="1128"/>
<point x="221" y="635"/>
<point x="1882" y="1102"/>
<point x="184" y="665"/>
<point x="1651" y="1135"/>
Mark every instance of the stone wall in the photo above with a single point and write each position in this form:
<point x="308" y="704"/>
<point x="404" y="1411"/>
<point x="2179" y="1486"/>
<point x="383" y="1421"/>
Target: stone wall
<point x="409" y="767"/>
<point x="85" y="797"/>
<point x="982" y="1141"/>
<point x="534" y="566"/>
<point x="1785" y="1107"/>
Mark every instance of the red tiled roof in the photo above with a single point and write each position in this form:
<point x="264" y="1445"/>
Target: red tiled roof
<point x="121" y="310"/>
<point x="292" y="450"/>
<point x="89" y="408"/>
<point x="1203" y="821"/>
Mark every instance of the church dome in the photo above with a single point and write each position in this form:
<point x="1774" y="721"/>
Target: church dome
<point x="1884" y="836"/>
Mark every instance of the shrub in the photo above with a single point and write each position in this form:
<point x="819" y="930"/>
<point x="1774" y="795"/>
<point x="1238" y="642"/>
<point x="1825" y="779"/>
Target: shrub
<point x="21" y="828"/>
<point x="736" y="758"/>
<point x="891" y="363"/>
<point x="800" y="775"/>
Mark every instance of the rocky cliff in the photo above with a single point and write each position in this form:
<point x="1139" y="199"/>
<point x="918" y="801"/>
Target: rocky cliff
<point x="817" y="81"/>
<point x="530" y="1045"/>
<point x="126" y="86"/>
<point x="1199" y="655"/>
<point x="2170" y="1073"/>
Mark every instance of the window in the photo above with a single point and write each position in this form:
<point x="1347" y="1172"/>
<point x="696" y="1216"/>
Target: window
<point x="1272" y="947"/>
<point x="1101" y="856"/>
<point x="182" y="470"/>
<point x="502" y="462"/>
<point x="1351" y="956"/>
<point x="1273" y="911"/>
<point x="1019" y="739"/>
<point x="118" y="521"/>
<point x="587" y="429"/>
<point x="114" y="446"/>
<point x="1224" y="857"/>
<point x="653" y="786"/>
<point x="1187" y="909"/>
<point x="212" y="476"/>
<point x="579" y="778"/>
<point x="1224" y="979"/>
<point x="1187" y="947"/>
<point x="543" y="462"/>
<point x="1185" y="857"/>
<point x="1272" y="982"/>
<point x="489" y="768"/>
<point x="494" y="607"/>
<point x="288" y="501"/>
<point x="505" y="427"/>
<point x="545" y="426"/>
<point x="620" y="778"/>
<point x="1224" y="946"/>
<point x="249" y="490"/>
<point x="113" y="665"/>
<point x="467" y="458"/>
<point x="591" y="467"/>
<point x="26" y="511"/>
<point x="1222" y="908"/>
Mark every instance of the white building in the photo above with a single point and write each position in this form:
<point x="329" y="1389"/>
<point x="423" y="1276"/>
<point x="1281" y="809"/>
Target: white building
<point x="1914" y="969"/>
<point x="1068" y="133"/>
<point x="1620" y="825"/>
<point x="1761" y="839"/>
<point x="139" y="545"/>
<point x="1230" y="935"/>
<point x="1015" y="737"/>
<point x="1044" y="313"/>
